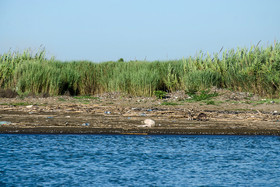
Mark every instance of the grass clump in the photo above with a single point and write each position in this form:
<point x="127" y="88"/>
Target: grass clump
<point x="160" y="94"/>
<point x="203" y="95"/>
<point x="266" y="101"/>
<point x="169" y="103"/>
<point x="21" y="104"/>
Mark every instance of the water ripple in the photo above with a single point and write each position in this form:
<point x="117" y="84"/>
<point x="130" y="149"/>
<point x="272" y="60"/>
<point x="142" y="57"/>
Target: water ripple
<point x="105" y="160"/>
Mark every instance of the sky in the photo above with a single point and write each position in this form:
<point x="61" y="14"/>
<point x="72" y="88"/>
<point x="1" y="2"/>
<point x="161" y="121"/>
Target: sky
<point x="105" y="30"/>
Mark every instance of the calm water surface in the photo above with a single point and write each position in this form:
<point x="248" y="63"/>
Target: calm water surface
<point x="116" y="160"/>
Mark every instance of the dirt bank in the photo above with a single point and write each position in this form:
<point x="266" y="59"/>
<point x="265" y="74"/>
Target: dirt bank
<point x="227" y="114"/>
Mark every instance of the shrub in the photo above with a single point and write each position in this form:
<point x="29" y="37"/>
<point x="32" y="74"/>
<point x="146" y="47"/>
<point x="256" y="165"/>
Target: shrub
<point x="160" y="94"/>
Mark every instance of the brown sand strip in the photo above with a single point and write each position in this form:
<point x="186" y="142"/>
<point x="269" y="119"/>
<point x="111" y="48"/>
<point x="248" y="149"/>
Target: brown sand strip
<point x="136" y="131"/>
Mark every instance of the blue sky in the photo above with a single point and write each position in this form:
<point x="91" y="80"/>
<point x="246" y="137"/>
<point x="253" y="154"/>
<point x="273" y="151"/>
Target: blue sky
<point x="102" y="30"/>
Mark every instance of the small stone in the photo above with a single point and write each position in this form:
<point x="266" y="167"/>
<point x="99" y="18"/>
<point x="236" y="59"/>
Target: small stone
<point x="201" y="117"/>
<point x="29" y="106"/>
<point x="85" y="124"/>
<point x="149" y="123"/>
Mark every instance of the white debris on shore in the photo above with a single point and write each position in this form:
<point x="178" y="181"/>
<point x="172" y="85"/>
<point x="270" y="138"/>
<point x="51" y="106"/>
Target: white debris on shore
<point x="29" y="106"/>
<point x="148" y="123"/>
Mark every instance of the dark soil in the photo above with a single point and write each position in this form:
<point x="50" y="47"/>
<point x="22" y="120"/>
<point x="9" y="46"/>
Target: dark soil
<point x="8" y="93"/>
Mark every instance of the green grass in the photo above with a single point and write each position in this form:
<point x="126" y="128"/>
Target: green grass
<point x="160" y="94"/>
<point x="4" y="104"/>
<point x="61" y="99"/>
<point x="203" y="95"/>
<point x="255" y="70"/>
<point x="169" y="103"/>
<point x="84" y="99"/>
<point x="266" y="101"/>
<point x="21" y="104"/>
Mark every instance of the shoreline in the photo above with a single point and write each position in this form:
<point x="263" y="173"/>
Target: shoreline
<point x="232" y="114"/>
<point x="153" y="131"/>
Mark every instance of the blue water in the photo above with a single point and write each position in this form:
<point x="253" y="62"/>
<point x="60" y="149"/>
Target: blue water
<point x="123" y="160"/>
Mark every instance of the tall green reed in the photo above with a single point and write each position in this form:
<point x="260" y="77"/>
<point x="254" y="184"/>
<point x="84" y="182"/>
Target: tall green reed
<point x="255" y="70"/>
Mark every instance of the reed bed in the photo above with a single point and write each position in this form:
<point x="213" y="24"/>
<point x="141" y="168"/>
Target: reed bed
<point x="255" y="70"/>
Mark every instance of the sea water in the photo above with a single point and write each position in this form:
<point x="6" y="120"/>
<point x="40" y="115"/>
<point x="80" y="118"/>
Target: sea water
<point x="126" y="160"/>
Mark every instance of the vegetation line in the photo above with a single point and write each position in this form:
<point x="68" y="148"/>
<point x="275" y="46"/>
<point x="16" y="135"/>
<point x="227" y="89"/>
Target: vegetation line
<point x="255" y="70"/>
